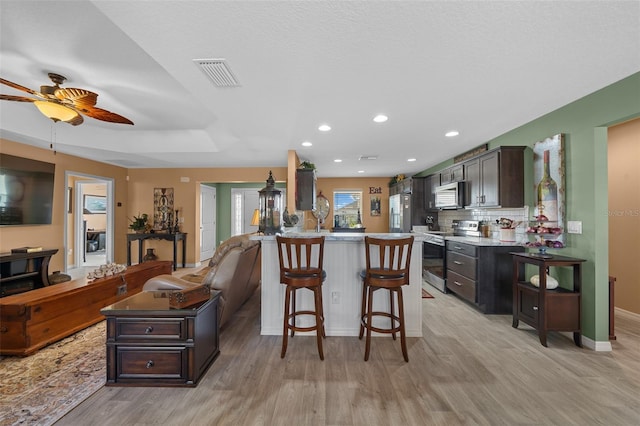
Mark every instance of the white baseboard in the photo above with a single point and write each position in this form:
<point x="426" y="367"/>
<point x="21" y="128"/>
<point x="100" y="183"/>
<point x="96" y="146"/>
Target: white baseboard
<point x="598" y="346"/>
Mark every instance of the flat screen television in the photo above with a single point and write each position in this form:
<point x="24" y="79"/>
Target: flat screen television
<point x="26" y="191"/>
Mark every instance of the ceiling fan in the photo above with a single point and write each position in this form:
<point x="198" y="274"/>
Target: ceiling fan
<point x="64" y="104"/>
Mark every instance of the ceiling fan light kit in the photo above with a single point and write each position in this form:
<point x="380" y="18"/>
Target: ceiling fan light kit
<point x="64" y="104"/>
<point x="58" y="112"/>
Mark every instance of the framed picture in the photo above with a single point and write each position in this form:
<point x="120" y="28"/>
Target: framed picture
<point x="549" y="180"/>
<point x="375" y="206"/>
<point x="95" y="204"/>
<point x="162" y="208"/>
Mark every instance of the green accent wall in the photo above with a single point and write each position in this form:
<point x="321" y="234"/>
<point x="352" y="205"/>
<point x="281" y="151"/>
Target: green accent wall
<point x="584" y="124"/>
<point x="223" y="204"/>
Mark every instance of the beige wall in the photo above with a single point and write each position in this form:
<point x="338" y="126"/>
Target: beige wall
<point x="186" y="193"/>
<point x="624" y="213"/>
<point x="133" y="189"/>
<point x="372" y="223"/>
<point x="52" y="236"/>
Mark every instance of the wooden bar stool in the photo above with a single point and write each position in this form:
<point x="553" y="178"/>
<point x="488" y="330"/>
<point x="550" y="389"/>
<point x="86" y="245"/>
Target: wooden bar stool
<point x="301" y="267"/>
<point x="387" y="267"/>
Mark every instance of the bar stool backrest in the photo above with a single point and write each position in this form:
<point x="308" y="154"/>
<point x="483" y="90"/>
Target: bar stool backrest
<point x="300" y="257"/>
<point x="388" y="259"/>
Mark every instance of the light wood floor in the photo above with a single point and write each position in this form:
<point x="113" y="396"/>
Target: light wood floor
<point x="468" y="369"/>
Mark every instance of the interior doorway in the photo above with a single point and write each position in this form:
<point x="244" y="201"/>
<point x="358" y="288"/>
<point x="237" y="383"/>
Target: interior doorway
<point x="89" y="226"/>
<point x="207" y="221"/>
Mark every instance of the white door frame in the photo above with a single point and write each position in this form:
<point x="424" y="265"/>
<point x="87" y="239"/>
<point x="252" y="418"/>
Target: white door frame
<point x="206" y="254"/>
<point x="77" y="223"/>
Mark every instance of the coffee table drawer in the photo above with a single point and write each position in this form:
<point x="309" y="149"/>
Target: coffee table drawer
<point x="143" y="329"/>
<point x="152" y="363"/>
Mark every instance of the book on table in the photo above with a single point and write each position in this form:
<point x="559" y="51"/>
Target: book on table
<point x="26" y="249"/>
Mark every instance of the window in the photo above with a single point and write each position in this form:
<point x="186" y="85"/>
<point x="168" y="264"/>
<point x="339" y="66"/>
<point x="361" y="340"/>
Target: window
<point x="347" y="206"/>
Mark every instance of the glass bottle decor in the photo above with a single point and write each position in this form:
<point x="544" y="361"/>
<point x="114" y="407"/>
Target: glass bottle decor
<point x="547" y="193"/>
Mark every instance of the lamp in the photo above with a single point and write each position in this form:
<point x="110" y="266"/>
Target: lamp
<point x="255" y="220"/>
<point x="58" y="112"/>
<point x="270" y="208"/>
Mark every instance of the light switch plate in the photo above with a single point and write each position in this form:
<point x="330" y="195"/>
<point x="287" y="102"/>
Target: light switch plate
<point x="574" y="227"/>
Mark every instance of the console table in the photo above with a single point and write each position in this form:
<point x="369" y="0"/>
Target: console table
<point x="20" y="272"/>
<point x="544" y="309"/>
<point x="175" y="237"/>
<point x="151" y="344"/>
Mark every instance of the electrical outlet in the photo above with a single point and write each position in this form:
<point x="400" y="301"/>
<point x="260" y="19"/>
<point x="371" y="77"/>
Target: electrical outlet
<point x="335" y="297"/>
<point x="574" y="227"/>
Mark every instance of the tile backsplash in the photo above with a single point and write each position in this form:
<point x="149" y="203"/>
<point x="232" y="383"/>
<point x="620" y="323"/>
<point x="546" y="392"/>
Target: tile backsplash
<point x="446" y="217"/>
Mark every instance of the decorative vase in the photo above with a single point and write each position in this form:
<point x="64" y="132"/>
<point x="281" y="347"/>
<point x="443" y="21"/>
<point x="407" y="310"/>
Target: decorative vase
<point x="150" y="256"/>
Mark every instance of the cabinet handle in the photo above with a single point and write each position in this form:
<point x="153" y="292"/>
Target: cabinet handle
<point x="457" y="247"/>
<point x="149" y="364"/>
<point x="457" y="262"/>
<point x="457" y="283"/>
<point x="535" y="308"/>
<point x="148" y="330"/>
<point x="484" y="199"/>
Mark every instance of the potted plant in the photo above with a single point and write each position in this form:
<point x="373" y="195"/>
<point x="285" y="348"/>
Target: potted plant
<point x="307" y="165"/>
<point x="140" y="223"/>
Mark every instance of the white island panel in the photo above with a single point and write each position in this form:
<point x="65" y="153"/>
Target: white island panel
<point x="344" y="259"/>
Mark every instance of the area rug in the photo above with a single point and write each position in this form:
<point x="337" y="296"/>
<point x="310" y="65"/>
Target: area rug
<point x="426" y="295"/>
<point x="41" y="388"/>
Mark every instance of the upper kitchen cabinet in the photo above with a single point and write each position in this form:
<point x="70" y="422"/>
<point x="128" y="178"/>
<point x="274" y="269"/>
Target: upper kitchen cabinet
<point x="305" y="189"/>
<point x="496" y="178"/>
<point x="430" y="184"/>
<point x="452" y="174"/>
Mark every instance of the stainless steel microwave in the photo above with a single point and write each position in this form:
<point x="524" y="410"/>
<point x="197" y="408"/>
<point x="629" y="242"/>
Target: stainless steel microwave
<point x="450" y="196"/>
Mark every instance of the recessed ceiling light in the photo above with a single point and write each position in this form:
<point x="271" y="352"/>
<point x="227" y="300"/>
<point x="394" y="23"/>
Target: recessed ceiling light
<point x="324" y="128"/>
<point x="380" y="118"/>
<point x="306" y="143"/>
<point x="452" y="133"/>
<point x="337" y="160"/>
<point x="360" y="171"/>
<point x="411" y="159"/>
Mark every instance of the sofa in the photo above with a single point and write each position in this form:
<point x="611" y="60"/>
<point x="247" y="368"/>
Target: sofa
<point x="234" y="270"/>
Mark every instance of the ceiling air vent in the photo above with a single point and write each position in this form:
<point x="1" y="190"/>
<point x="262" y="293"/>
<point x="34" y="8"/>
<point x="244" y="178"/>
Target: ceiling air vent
<point x="218" y="71"/>
<point x="368" y="157"/>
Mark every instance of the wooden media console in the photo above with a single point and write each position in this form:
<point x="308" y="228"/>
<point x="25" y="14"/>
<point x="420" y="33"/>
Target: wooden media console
<point x="29" y="321"/>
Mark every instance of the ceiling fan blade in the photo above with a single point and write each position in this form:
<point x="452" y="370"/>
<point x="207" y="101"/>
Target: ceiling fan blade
<point x="21" y="88"/>
<point x="79" y="97"/>
<point x="103" y="114"/>
<point x="16" y="98"/>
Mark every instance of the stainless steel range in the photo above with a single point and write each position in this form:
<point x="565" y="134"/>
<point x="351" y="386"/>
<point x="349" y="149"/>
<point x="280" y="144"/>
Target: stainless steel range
<point x="433" y="250"/>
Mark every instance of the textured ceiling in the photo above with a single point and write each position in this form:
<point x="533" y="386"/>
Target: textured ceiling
<point x="482" y="68"/>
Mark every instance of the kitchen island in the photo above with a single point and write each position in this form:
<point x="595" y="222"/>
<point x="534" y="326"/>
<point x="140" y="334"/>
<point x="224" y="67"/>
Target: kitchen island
<point x="344" y="259"/>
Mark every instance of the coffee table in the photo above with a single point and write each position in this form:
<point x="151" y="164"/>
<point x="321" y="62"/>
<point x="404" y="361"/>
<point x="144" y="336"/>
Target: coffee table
<point x="151" y="344"/>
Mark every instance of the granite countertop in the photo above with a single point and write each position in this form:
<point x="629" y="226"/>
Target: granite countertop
<point x="480" y="241"/>
<point x="341" y="236"/>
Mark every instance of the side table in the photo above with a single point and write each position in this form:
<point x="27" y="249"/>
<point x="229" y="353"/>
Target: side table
<point x="151" y="344"/>
<point x="542" y="308"/>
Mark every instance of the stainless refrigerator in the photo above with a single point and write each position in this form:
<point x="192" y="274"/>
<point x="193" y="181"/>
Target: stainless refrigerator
<point x="407" y="205"/>
<point x="400" y="212"/>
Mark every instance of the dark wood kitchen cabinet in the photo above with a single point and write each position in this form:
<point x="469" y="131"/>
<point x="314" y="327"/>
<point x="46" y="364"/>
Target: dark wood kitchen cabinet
<point x="496" y="178"/>
<point x="305" y="189"/>
<point x="149" y="343"/>
<point x="431" y="182"/>
<point x="481" y="275"/>
<point x="452" y="174"/>
<point x="547" y="309"/>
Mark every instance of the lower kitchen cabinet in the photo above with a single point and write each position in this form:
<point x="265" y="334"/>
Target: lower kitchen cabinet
<point x="547" y="309"/>
<point x="481" y="275"/>
<point x="149" y="343"/>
